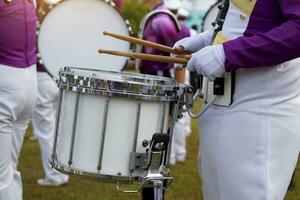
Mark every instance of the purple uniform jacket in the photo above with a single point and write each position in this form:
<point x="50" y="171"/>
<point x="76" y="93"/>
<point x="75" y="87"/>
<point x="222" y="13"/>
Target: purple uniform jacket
<point x="161" y="29"/>
<point x="272" y="36"/>
<point x="17" y="33"/>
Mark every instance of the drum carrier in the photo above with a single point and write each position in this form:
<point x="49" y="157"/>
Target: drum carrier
<point x="220" y="91"/>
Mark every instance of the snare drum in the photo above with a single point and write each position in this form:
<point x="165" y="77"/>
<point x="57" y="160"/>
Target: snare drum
<point x="71" y="33"/>
<point x="106" y="122"/>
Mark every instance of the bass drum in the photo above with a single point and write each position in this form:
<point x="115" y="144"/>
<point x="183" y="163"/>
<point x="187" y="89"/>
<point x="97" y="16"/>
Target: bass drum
<point x="210" y="16"/>
<point x="71" y="34"/>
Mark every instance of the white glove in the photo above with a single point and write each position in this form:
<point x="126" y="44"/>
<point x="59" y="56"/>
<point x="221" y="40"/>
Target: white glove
<point x="209" y="61"/>
<point x="195" y="43"/>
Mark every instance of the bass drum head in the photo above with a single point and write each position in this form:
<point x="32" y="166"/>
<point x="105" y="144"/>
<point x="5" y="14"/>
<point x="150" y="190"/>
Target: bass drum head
<point x="210" y="16"/>
<point x="71" y="34"/>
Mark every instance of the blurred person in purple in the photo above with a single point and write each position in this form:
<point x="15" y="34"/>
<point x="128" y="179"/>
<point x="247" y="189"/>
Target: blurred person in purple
<point x="17" y="88"/>
<point x="161" y="26"/>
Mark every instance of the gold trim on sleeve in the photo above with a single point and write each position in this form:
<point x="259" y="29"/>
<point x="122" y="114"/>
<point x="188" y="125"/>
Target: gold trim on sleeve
<point x="246" y="6"/>
<point x="220" y="39"/>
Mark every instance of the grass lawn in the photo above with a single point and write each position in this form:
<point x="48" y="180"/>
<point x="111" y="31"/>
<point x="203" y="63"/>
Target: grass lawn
<point x="186" y="186"/>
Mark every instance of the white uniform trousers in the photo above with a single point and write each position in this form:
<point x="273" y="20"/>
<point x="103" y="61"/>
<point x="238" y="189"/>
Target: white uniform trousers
<point x="43" y="122"/>
<point x="181" y="130"/>
<point x="17" y="99"/>
<point x="248" y="151"/>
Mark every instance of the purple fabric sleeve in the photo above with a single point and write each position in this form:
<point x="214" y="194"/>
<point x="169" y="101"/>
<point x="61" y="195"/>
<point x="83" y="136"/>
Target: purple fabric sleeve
<point x="275" y="46"/>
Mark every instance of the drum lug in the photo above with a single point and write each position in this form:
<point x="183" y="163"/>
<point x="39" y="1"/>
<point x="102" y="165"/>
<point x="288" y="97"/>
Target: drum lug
<point x="137" y="161"/>
<point x="185" y="99"/>
<point x="153" y="157"/>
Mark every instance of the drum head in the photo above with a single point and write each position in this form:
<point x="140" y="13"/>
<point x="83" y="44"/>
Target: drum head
<point x="210" y="16"/>
<point x="71" y="34"/>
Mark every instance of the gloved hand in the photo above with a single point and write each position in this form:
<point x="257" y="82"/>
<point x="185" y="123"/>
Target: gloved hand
<point x="194" y="43"/>
<point x="209" y="61"/>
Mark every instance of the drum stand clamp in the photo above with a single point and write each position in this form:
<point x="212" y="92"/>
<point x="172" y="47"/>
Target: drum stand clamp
<point x="151" y="164"/>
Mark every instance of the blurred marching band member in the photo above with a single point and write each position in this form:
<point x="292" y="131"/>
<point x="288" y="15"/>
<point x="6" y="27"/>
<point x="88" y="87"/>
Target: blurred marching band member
<point x="162" y="28"/>
<point x="250" y="149"/>
<point x="17" y="88"/>
<point x="43" y="119"/>
<point x="43" y="123"/>
<point x="182" y="127"/>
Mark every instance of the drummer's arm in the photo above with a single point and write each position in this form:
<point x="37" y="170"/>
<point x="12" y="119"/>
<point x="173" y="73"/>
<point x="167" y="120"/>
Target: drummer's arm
<point x="281" y="43"/>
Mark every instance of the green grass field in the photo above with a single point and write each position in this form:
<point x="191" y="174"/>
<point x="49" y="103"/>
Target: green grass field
<point x="186" y="186"/>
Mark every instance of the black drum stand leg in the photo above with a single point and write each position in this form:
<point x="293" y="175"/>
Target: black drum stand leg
<point x="148" y="194"/>
<point x="153" y="194"/>
<point x="158" y="194"/>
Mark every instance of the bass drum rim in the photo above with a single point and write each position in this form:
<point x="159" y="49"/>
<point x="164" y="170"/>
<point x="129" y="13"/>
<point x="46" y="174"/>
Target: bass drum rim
<point x="207" y="13"/>
<point x="43" y="13"/>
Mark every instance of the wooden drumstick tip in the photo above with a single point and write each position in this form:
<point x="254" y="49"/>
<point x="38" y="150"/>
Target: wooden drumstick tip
<point x="100" y="51"/>
<point x="105" y="33"/>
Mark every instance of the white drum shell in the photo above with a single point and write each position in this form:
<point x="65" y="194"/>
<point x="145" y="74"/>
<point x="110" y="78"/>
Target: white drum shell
<point x="121" y="137"/>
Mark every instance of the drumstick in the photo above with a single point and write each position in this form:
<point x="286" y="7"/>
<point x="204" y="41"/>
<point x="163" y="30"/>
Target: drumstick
<point x="145" y="43"/>
<point x="144" y="56"/>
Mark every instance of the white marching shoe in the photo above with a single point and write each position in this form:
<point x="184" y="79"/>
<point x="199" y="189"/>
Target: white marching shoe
<point x="50" y="182"/>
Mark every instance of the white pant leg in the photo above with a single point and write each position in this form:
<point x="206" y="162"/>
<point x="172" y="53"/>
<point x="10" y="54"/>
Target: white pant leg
<point x="249" y="150"/>
<point x="247" y="163"/>
<point x="181" y="130"/>
<point x="18" y="93"/>
<point x="19" y="129"/>
<point x="6" y="167"/>
<point x="43" y="121"/>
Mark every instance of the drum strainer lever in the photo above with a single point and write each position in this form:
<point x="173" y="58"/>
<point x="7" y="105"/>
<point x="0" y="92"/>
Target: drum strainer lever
<point x="152" y="163"/>
<point x="160" y="142"/>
